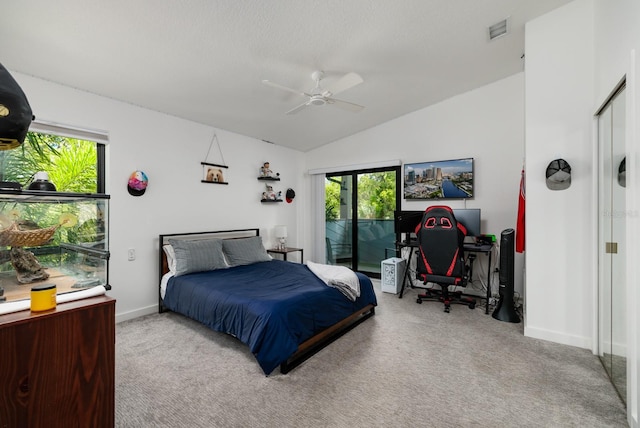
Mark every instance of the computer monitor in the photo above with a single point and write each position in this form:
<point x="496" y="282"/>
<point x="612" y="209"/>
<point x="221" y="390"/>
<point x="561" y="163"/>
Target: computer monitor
<point x="406" y="221"/>
<point x="470" y="218"/>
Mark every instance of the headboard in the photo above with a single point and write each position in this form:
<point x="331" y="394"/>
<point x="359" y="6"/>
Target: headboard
<point x="195" y="236"/>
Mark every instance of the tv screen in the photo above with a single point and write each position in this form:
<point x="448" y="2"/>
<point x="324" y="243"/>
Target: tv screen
<point x="450" y="179"/>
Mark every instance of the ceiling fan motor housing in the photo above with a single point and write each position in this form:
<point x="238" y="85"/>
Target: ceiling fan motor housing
<point x="317" y="100"/>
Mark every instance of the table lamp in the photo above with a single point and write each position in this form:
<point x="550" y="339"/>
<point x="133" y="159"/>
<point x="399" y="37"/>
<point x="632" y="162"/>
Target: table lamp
<point x="280" y="232"/>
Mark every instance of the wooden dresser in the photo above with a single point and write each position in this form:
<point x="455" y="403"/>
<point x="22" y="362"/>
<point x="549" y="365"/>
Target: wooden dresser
<point x="57" y="367"/>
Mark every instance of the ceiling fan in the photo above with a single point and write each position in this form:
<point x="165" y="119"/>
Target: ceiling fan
<point x="319" y="96"/>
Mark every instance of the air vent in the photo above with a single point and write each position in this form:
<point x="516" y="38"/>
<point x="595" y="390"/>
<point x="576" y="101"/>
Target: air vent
<point x="498" y="30"/>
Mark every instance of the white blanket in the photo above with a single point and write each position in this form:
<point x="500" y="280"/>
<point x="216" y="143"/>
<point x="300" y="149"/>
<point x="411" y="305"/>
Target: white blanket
<point x="340" y="277"/>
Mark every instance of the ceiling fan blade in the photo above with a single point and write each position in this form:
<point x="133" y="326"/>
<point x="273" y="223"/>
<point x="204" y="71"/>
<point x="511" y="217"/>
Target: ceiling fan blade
<point x="284" y="88"/>
<point x="347" y="81"/>
<point x="345" y="105"/>
<point x="298" y="108"/>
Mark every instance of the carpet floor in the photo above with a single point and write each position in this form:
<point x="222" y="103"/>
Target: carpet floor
<point x="410" y="365"/>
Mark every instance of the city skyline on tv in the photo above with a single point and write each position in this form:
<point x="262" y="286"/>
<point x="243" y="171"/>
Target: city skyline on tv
<point x="448" y="179"/>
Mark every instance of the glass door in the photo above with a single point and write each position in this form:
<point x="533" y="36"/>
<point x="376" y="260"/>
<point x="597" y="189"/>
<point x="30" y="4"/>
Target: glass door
<point x="359" y="208"/>
<point x="612" y="315"/>
<point x="339" y="219"/>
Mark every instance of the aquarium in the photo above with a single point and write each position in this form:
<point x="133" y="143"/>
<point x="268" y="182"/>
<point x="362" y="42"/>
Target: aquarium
<point x="52" y="238"/>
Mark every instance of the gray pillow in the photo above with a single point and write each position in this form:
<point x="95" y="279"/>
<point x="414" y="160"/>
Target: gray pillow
<point x="197" y="256"/>
<point x="245" y="251"/>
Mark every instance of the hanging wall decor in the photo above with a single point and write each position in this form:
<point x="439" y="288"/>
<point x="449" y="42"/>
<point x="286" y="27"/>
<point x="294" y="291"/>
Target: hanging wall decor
<point x="558" y="175"/>
<point x="622" y="172"/>
<point x="137" y="183"/>
<point x="213" y="172"/>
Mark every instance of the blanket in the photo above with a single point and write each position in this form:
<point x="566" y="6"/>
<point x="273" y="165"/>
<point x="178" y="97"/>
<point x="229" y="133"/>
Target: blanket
<point x="340" y="277"/>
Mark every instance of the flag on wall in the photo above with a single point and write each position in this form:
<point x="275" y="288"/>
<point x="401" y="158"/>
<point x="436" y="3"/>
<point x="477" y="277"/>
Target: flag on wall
<point x="520" y="220"/>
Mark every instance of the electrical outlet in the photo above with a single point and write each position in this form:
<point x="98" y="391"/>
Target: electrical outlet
<point x="131" y="254"/>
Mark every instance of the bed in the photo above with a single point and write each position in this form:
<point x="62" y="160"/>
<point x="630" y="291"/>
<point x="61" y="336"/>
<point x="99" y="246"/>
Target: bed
<point x="283" y="311"/>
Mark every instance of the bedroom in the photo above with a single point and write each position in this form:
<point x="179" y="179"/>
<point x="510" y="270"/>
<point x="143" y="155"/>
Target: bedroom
<point x="493" y="122"/>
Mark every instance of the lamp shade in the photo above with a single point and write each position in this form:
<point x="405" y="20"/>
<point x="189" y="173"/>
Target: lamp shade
<point x="15" y="112"/>
<point x="280" y="231"/>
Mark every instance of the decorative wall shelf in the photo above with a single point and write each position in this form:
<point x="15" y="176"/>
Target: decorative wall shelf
<point x="212" y="173"/>
<point x="266" y="174"/>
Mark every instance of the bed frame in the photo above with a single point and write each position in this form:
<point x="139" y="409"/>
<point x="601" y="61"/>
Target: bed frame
<point x="305" y="349"/>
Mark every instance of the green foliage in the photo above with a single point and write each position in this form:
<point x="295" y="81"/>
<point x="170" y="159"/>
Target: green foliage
<point x="332" y="200"/>
<point x="376" y="196"/>
<point x="71" y="164"/>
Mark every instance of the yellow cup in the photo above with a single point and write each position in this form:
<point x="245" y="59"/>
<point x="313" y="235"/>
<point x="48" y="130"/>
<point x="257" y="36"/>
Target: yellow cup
<point x="43" y="297"/>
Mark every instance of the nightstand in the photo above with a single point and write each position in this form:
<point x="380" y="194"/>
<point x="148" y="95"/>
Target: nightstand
<point x="287" y="251"/>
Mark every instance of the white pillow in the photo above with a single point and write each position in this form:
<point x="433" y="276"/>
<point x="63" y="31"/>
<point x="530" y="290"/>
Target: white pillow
<point x="171" y="257"/>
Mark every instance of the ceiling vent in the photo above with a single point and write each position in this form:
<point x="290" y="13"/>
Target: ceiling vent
<point x="499" y="29"/>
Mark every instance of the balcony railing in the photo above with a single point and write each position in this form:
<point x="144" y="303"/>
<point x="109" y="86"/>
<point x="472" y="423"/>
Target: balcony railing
<point x="375" y="239"/>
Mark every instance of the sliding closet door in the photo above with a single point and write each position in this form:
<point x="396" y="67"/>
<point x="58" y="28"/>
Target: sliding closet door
<point x="612" y="242"/>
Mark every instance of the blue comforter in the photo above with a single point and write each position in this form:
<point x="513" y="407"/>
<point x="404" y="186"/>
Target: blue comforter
<point x="271" y="306"/>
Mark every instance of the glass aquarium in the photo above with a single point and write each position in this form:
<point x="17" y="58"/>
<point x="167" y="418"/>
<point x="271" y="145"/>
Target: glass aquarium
<point x="52" y="238"/>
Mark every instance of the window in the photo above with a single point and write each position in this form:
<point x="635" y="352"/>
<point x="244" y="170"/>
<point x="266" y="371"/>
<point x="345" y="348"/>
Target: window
<point x="73" y="159"/>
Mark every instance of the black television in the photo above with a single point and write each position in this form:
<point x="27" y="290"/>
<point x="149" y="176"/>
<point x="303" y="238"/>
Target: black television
<point x="448" y="179"/>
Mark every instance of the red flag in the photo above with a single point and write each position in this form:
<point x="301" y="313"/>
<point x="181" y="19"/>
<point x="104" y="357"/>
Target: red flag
<point x="520" y="220"/>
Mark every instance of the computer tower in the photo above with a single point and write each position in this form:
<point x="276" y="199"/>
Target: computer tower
<point x="392" y="273"/>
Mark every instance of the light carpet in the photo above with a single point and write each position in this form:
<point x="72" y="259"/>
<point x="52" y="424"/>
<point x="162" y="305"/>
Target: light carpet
<point x="410" y="365"/>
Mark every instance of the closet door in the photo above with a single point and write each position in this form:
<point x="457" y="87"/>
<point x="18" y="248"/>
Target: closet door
<point x="612" y="242"/>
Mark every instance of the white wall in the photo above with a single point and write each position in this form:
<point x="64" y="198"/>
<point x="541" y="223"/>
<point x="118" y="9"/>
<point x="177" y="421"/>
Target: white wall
<point x="169" y="151"/>
<point x="486" y="124"/>
<point x="559" y="100"/>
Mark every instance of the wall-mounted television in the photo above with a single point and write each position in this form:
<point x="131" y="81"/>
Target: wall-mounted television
<point x="448" y="179"/>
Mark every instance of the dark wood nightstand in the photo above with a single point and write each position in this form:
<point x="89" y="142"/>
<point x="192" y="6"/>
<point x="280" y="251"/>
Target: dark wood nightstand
<point x="287" y="251"/>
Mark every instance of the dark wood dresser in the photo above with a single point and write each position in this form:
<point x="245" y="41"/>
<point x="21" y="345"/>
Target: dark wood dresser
<point x="57" y="367"/>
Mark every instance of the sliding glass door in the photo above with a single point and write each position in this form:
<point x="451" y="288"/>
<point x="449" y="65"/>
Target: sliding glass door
<point x="359" y="208"/>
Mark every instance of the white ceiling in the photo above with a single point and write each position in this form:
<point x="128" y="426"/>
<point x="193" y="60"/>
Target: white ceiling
<point x="204" y="60"/>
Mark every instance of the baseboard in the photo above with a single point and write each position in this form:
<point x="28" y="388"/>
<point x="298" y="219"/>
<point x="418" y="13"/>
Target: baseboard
<point x="137" y="313"/>
<point x="556" y="337"/>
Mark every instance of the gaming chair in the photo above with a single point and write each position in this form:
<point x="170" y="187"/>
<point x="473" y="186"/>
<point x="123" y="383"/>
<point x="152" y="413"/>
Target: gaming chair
<point x="441" y="256"/>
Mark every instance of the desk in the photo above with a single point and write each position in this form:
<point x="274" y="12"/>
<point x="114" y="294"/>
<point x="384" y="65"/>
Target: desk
<point x="486" y="249"/>
<point x="470" y="248"/>
<point x="412" y="245"/>
<point x="286" y="251"/>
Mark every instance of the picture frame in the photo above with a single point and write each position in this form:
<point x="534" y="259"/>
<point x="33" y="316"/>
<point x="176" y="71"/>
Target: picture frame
<point x="436" y="180"/>
<point x="213" y="173"/>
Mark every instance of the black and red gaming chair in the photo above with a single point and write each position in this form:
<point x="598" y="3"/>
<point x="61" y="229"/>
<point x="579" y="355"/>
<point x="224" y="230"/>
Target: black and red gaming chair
<point x="441" y="256"/>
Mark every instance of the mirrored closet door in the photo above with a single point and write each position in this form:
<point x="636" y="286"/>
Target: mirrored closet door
<point x="611" y="241"/>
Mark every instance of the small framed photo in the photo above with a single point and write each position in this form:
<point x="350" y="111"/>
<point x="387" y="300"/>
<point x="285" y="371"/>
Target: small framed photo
<point x="214" y="173"/>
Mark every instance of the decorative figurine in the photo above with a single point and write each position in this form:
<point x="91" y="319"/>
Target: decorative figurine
<point x="269" y="194"/>
<point x="266" y="172"/>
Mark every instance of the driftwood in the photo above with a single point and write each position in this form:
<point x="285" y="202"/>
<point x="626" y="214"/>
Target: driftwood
<point x="27" y="267"/>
